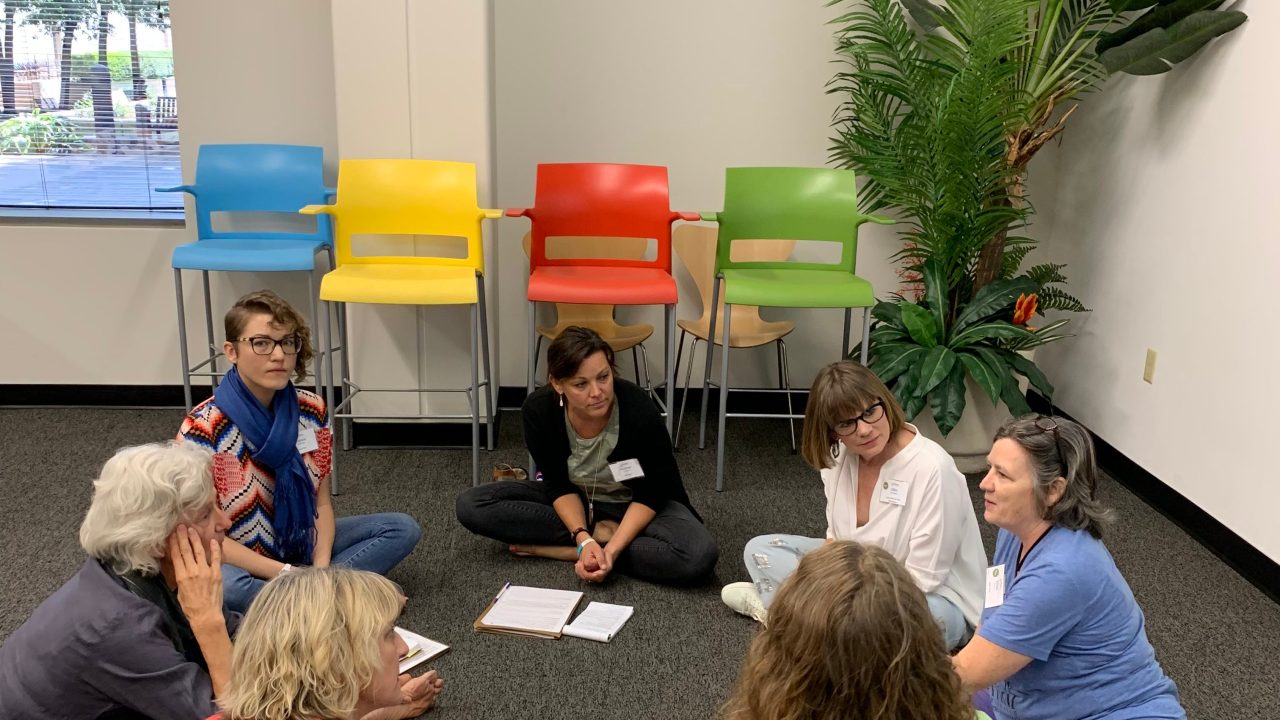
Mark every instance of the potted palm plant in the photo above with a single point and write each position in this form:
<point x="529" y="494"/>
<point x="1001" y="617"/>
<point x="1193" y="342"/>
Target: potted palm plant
<point x="942" y="109"/>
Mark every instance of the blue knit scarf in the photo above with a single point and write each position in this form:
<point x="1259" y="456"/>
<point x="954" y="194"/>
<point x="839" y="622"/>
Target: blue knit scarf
<point x="273" y="436"/>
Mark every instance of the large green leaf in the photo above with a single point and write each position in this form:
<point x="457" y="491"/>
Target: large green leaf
<point x="934" y="368"/>
<point x="1158" y="50"/>
<point x="998" y="330"/>
<point x="893" y="360"/>
<point x="947" y="400"/>
<point x="1014" y="398"/>
<point x="935" y="292"/>
<point x="888" y="312"/>
<point x="1033" y="373"/>
<point x="927" y="15"/>
<point x="997" y="297"/>
<point x="988" y="379"/>
<point x="1162" y="17"/>
<point x="905" y="391"/>
<point x="920" y="324"/>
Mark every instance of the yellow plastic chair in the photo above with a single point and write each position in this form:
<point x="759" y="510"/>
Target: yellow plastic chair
<point x="695" y="245"/>
<point x="411" y="197"/>
<point x="599" y="317"/>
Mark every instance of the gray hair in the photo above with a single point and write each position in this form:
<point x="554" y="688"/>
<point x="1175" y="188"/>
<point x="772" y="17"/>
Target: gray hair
<point x="1060" y="448"/>
<point x="140" y="497"/>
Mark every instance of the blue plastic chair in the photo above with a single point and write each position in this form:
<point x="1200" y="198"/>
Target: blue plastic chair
<point x="253" y="178"/>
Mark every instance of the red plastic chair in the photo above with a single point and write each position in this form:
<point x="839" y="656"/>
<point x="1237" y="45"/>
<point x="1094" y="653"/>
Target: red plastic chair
<point x="603" y="200"/>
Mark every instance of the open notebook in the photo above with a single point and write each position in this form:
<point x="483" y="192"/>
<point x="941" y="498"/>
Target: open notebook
<point x="421" y="649"/>
<point x="599" y="622"/>
<point x="522" y="610"/>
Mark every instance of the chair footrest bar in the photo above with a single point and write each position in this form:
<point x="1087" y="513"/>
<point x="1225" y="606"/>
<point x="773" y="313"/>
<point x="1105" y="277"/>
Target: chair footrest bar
<point x="773" y="416"/>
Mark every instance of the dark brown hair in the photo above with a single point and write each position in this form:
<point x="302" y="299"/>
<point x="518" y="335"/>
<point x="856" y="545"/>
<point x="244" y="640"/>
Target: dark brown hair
<point x="571" y="347"/>
<point x="849" y="635"/>
<point x="265" y="302"/>
<point x="842" y="390"/>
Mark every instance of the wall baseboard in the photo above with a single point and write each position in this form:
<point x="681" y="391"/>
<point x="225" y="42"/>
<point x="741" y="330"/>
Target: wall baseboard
<point x="1230" y="548"/>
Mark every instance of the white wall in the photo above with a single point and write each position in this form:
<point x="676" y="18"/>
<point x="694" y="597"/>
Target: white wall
<point x="697" y="87"/>
<point x="94" y="303"/>
<point x="1159" y="197"/>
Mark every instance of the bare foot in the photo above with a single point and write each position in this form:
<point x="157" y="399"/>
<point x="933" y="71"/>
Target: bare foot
<point x="604" y="531"/>
<point x="553" y="552"/>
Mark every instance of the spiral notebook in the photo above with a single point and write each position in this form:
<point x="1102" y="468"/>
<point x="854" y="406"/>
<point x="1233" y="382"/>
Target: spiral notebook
<point x="599" y="622"/>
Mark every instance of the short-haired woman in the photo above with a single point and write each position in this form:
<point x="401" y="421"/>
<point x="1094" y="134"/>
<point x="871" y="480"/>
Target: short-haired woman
<point x="887" y="485"/>
<point x="320" y="644"/>
<point x="610" y="495"/>
<point x="1061" y="636"/>
<point x="274" y="453"/>
<point x="140" y="630"/>
<point x="849" y="635"/>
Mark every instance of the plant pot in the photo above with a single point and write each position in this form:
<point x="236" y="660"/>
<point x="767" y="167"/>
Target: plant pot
<point x="970" y="440"/>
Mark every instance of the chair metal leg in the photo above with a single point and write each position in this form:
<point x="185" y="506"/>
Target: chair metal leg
<point x="866" y="333"/>
<point x="491" y="395"/>
<point x="348" y="426"/>
<point x="706" y="375"/>
<point x="182" y="339"/>
<point x="208" y="326"/>
<point x="474" y="396"/>
<point x="724" y="400"/>
<point x="533" y="352"/>
<point x="643" y="364"/>
<point x="635" y="363"/>
<point x="784" y="377"/>
<point x="669" y="369"/>
<point x="326" y="363"/>
<point x="688" y="375"/>
<point x="844" y="347"/>
<point x="317" y="361"/>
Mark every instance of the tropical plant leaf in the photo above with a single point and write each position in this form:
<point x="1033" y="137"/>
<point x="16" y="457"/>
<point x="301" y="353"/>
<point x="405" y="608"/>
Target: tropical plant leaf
<point x="1032" y="373"/>
<point x="935" y="293"/>
<point x="1053" y="298"/>
<point x="1163" y="16"/>
<point x="927" y="15"/>
<point x="1158" y="50"/>
<point x="987" y="378"/>
<point x="905" y="391"/>
<point x="893" y="360"/>
<point x="998" y="330"/>
<point x="934" y="367"/>
<point x="997" y="297"/>
<point x="888" y="312"/>
<point x="947" y="400"/>
<point x="1014" y="398"/>
<point x="920" y="324"/>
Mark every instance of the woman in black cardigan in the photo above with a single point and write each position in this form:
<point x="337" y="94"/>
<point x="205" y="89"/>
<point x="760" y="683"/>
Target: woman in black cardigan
<point x="609" y="481"/>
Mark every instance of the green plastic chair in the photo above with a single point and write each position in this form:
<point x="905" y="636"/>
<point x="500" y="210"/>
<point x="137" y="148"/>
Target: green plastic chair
<point x="815" y="204"/>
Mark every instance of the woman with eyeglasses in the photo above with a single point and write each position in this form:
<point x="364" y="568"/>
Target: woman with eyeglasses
<point x="1061" y="635"/>
<point x="886" y="485"/>
<point x="273" y="451"/>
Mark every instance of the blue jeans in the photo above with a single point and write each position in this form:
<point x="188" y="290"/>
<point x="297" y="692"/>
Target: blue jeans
<point x="375" y="543"/>
<point x="771" y="559"/>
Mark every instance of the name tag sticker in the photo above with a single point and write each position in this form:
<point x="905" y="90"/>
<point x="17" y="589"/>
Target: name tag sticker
<point x="625" y="470"/>
<point x="893" y="492"/>
<point x="307" y="440"/>
<point x="995" y="586"/>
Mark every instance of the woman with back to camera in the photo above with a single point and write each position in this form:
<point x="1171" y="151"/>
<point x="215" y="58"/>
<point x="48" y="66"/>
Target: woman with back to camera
<point x="1062" y="637"/>
<point x="888" y="485"/>
<point x="611" y="495"/>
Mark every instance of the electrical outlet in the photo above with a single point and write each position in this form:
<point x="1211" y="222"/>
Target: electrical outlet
<point x="1149" y="370"/>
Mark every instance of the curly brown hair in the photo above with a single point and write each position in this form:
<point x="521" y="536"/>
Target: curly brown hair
<point x="849" y="635"/>
<point x="265" y="302"/>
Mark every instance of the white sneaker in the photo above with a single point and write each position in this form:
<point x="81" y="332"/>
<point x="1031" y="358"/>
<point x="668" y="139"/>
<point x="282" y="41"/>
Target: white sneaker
<point x="743" y="598"/>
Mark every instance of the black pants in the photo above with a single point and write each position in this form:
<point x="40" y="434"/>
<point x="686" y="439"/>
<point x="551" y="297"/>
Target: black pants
<point x="674" y="548"/>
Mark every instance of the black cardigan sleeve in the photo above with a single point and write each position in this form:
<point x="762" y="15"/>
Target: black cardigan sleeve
<point x="547" y="441"/>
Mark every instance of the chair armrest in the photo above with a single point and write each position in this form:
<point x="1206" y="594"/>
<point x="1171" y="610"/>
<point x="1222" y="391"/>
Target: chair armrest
<point x="686" y="216"/>
<point x="710" y="216"/>
<point x="318" y="210"/>
<point x="490" y="214"/>
<point x="178" y="188"/>
<point x="519" y="212"/>
<point x="881" y="220"/>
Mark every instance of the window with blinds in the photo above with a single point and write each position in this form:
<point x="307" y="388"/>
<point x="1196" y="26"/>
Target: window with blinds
<point x="88" y="105"/>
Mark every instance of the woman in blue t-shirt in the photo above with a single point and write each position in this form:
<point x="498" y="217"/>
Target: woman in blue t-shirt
<point x="1061" y="635"/>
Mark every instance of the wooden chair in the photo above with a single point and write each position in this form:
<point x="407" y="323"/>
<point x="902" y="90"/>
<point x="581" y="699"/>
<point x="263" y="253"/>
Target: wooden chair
<point x="695" y="245"/>
<point x="599" y="317"/>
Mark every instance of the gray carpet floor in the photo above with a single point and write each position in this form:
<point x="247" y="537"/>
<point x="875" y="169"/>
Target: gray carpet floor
<point x="1216" y="635"/>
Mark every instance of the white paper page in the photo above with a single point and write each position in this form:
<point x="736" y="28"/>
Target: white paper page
<point x="599" y="622"/>
<point x="421" y="649"/>
<point x="530" y="608"/>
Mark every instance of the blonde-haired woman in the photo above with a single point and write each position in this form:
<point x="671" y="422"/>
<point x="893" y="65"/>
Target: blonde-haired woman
<point x="888" y="485"/>
<point x="140" y="630"/>
<point x="321" y="644"/>
<point x="849" y="635"/>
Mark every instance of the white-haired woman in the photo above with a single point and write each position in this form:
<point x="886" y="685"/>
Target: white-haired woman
<point x="1061" y="637"/>
<point x="139" y="631"/>
<point x="320" y="643"/>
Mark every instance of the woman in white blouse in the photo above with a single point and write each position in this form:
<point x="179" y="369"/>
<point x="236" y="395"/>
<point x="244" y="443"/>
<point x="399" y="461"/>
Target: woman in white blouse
<point x="888" y="485"/>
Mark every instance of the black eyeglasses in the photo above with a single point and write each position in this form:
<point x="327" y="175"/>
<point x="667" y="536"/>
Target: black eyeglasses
<point x="263" y="345"/>
<point x="845" y="428"/>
